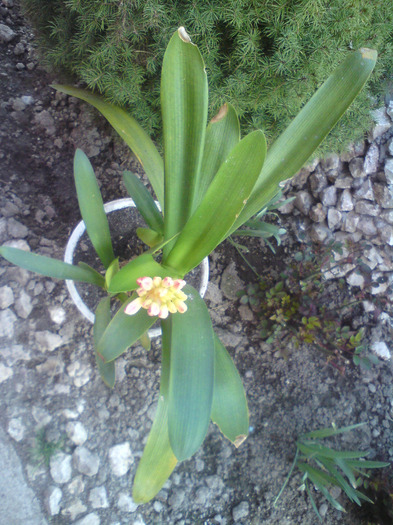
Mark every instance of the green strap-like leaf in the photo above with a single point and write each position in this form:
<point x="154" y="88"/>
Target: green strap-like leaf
<point x="123" y="331"/>
<point x="229" y="408"/>
<point x="306" y="132"/>
<point x="142" y="266"/>
<point x="191" y="376"/>
<point x="223" y="201"/>
<point x="222" y="135"/>
<point x="143" y="201"/>
<point x="328" y="432"/>
<point x="51" y="267"/>
<point x="92" y="208"/>
<point x="150" y="237"/>
<point x="184" y="100"/>
<point x="131" y="132"/>
<point x="101" y="321"/>
<point x="158" y="459"/>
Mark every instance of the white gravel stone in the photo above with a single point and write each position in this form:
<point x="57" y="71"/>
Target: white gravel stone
<point x="382" y="121"/>
<point x="85" y="461"/>
<point x="23" y="306"/>
<point x="120" y="459"/>
<point x="98" y="498"/>
<point x="381" y="349"/>
<point x="371" y="159"/>
<point x="21" y="244"/>
<point x="125" y="503"/>
<point x="76" y="432"/>
<point x="53" y="500"/>
<point x="48" y="341"/>
<point x="5" y="373"/>
<point x="80" y="373"/>
<point x="345" y="202"/>
<point x="389" y="171"/>
<point x="241" y="511"/>
<point x="16" y="429"/>
<point x="90" y="519"/>
<point x="355" y="279"/>
<point x="74" y="509"/>
<point x="16" y="229"/>
<point x="303" y="202"/>
<point x="6" y="297"/>
<point x="60" y="467"/>
<point x="356" y="167"/>
<point x="6" y="33"/>
<point x="329" y="196"/>
<point x="57" y="314"/>
<point x="334" y="218"/>
<point x="7" y="322"/>
<point x="45" y="120"/>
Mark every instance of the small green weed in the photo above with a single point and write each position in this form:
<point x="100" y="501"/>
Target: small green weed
<point x="323" y="467"/>
<point x="44" y="449"/>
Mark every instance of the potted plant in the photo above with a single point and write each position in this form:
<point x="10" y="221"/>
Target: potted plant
<point x="209" y="184"/>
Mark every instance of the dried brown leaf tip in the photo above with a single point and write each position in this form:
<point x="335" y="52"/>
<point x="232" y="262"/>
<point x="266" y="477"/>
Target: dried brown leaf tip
<point x="239" y="440"/>
<point x="221" y="114"/>
<point x="184" y="35"/>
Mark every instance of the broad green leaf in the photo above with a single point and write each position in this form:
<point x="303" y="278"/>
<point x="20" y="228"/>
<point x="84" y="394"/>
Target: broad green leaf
<point x="101" y="321"/>
<point x="222" y="203"/>
<point x="184" y="104"/>
<point x="191" y="376"/>
<point x="123" y="331"/>
<point x="142" y="266"/>
<point x="297" y="143"/>
<point x="131" y="132"/>
<point x="149" y="237"/>
<point x="51" y="267"/>
<point x="111" y="271"/>
<point x="229" y="408"/>
<point x="145" y="341"/>
<point x="222" y="135"/>
<point x="158" y="459"/>
<point x="92" y="208"/>
<point x="143" y="201"/>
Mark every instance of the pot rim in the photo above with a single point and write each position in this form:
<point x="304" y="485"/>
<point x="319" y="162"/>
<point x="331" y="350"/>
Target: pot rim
<point x="79" y="230"/>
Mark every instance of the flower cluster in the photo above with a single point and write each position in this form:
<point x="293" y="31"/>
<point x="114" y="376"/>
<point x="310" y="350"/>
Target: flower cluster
<point x="159" y="297"/>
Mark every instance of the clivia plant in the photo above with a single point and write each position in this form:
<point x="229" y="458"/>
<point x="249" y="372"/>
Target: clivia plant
<point x="208" y="185"/>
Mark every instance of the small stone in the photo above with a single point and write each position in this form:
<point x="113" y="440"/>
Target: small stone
<point x="27" y="99"/>
<point x="16" y="429"/>
<point x="158" y="506"/>
<point x="85" y="461"/>
<point x="19" y="49"/>
<point x="383" y="196"/>
<point x="98" y="498"/>
<point x="343" y="183"/>
<point x="365" y="191"/>
<point x="323" y="510"/>
<point x="371" y="160"/>
<point x="45" y="120"/>
<point x="121" y="459"/>
<point x="48" y="341"/>
<point x="330" y="163"/>
<point x="287" y="208"/>
<point x="382" y="121"/>
<point x="245" y="313"/>
<point x="73" y="510"/>
<point x="16" y="229"/>
<point x="367" y="226"/>
<point x="53" y="500"/>
<point x="317" y="182"/>
<point x="23" y="306"/>
<point x="386" y="233"/>
<point x="318" y="213"/>
<point x="354" y="150"/>
<point x="76" y="432"/>
<point x="241" y="511"/>
<point x="7" y="322"/>
<point x="57" y="314"/>
<point x="380" y="349"/>
<point x="356" y="168"/>
<point x="60" y="467"/>
<point x="6" y="33"/>
<point x="230" y="282"/>
<point x="334" y="218"/>
<point x="319" y="232"/>
<point x="388" y="170"/>
<point x="355" y="279"/>
<point x="80" y="373"/>
<point x="303" y="202"/>
<point x="18" y="243"/>
<point x="90" y="519"/>
<point x="6" y="297"/>
<point x="76" y="487"/>
<point x="201" y="496"/>
<point x="5" y="373"/>
<point x="213" y="294"/>
<point x="329" y="196"/>
<point x="18" y="105"/>
<point x="125" y="503"/>
<point x="20" y="66"/>
<point x="176" y="498"/>
<point x="367" y="208"/>
<point x="345" y="202"/>
<point x="381" y="283"/>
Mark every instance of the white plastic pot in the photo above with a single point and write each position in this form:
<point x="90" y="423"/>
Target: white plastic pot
<point x="73" y="241"/>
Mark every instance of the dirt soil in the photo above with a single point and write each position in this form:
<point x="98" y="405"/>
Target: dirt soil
<point x="48" y="375"/>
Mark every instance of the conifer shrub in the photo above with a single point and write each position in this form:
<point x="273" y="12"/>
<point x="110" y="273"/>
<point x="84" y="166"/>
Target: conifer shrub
<point x="265" y="57"/>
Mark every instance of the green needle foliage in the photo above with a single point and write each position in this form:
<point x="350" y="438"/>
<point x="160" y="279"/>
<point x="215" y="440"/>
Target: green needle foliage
<point x="324" y="467"/>
<point x="266" y="58"/>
